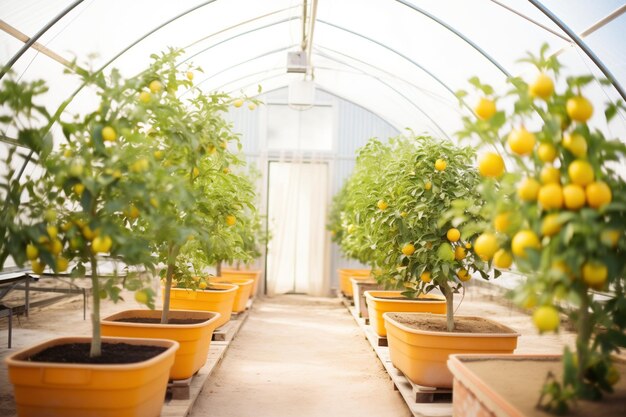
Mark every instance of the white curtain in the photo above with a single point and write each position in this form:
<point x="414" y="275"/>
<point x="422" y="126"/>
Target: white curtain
<point x="297" y="259"/>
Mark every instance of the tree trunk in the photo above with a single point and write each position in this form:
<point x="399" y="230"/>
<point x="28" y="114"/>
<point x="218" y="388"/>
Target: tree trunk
<point x="169" y="275"/>
<point x="218" y="269"/>
<point x="96" y="337"/>
<point x="447" y="292"/>
<point x="585" y="326"/>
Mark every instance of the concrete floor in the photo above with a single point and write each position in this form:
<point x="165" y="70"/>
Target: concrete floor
<point x="303" y="356"/>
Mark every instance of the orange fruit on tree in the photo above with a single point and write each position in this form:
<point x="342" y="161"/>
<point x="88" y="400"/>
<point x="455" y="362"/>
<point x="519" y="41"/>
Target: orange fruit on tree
<point x="523" y="240"/>
<point x="546" y="319"/>
<point x="576" y="144"/>
<point x="550" y="225"/>
<point x="491" y="165"/>
<point x="595" y="274"/>
<point x="502" y="259"/>
<point x="463" y="275"/>
<point x="486" y="245"/>
<point x="145" y="97"/>
<point x="453" y="235"/>
<point x="485" y="108"/>
<point x="502" y="222"/>
<point x="408" y="249"/>
<point x="580" y="172"/>
<point x="579" y="108"/>
<point x="598" y="194"/>
<point x="550" y="196"/>
<point x="382" y="205"/>
<point x="425" y="276"/>
<point x="109" y="134"/>
<point x="528" y="189"/>
<point x="546" y="152"/>
<point x="101" y="244"/>
<point x="459" y="253"/>
<point x="202" y="285"/>
<point x="610" y="237"/>
<point x="550" y="174"/>
<point x="542" y="87"/>
<point x="231" y="220"/>
<point x="574" y="196"/>
<point x="521" y="141"/>
<point x="440" y="164"/>
<point x="155" y="86"/>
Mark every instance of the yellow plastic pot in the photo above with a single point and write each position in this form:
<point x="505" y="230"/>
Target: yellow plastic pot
<point x="345" y="285"/>
<point x="243" y="293"/>
<point x="244" y="273"/>
<point x="44" y="389"/>
<point x="378" y="303"/>
<point x="194" y="339"/>
<point x="422" y="355"/>
<point x="219" y="301"/>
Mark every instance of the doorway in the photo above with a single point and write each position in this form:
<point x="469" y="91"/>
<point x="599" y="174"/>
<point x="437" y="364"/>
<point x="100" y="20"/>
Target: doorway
<point x="297" y="252"/>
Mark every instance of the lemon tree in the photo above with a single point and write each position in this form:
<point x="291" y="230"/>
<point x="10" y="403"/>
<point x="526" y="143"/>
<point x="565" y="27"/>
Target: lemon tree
<point x="558" y="214"/>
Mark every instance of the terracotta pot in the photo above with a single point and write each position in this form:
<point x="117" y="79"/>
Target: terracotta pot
<point x="422" y="355"/>
<point x="345" y="286"/>
<point x="194" y="339"/>
<point x="513" y="390"/>
<point x="379" y="302"/>
<point x="90" y="390"/>
<point x="243" y="293"/>
<point x="358" y="289"/>
<point x="244" y="273"/>
<point x="220" y="301"/>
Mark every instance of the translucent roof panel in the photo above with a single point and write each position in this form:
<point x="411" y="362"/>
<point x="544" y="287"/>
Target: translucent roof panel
<point x="401" y="59"/>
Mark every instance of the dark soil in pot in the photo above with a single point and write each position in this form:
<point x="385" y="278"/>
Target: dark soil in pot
<point x="437" y="323"/>
<point x="150" y="320"/>
<point x="112" y="353"/>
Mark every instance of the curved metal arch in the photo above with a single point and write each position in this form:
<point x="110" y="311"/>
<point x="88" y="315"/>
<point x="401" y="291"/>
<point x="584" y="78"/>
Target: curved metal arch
<point x="457" y="33"/>
<point x="582" y="45"/>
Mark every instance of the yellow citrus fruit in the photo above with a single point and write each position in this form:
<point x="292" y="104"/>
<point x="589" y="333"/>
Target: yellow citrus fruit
<point x="502" y="222"/>
<point x="574" y="196"/>
<point x="52" y="231"/>
<point x="425" y="276"/>
<point x="579" y="109"/>
<point x="453" y="235"/>
<point x="468" y="245"/>
<point x="101" y="244"/>
<point x="67" y="153"/>
<point x="550" y="225"/>
<point x="562" y="268"/>
<point x="576" y="144"/>
<point x="524" y="239"/>
<point x="546" y="319"/>
<point x="542" y="87"/>
<point x="238" y="102"/>
<point x="485" y="108"/>
<point x="550" y="174"/>
<point x="404" y="214"/>
<point x="428" y="185"/>
<point x="231" y="220"/>
<point x="78" y="189"/>
<point x="440" y="164"/>
<point x="408" y="249"/>
<point x="608" y="237"/>
<point x="521" y="141"/>
<point x="550" y="196"/>
<point x="382" y="205"/>
<point x="109" y="134"/>
<point x="189" y="75"/>
<point x="528" y="189"/>
<point x="202" y="285"/>
<point x="463" y="275"/>
<point x="88" y="233"/>
<point x="154" y="202"/>
<point x="156" y="86"/>
<point x="195" y="172"/>
<point x="598" y="194"/>
<point x="145" y="97"/>
<point x="546" y="152"/>
<point x="491" y="165"/>
<point x="502" y="259"/>
<point x="595" y="274"/>
<point x="141" y="297"/>
<point x="459" y="253"/>
<point x="486" y="245"/>
<point x="580" y="172"/>
<point x="62" y="264"/>
<point x="251" y="106"/>
<point x="140" y="165"/>
<point x="158" y="154"/>
<point x="133" y="212"/>
<point x="76" y="169"/>
<point x="56" y="246"/>
<point x="226" y="170"/>
<point x="31" y="252"/>
<point x="37" y="266"/>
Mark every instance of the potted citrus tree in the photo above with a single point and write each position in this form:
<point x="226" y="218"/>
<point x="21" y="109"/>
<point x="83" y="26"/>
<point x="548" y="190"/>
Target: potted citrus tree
<point x="73" y="211"/>
<point x="558" y="213"/>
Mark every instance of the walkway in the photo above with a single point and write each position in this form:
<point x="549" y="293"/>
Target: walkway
<point x="299" y="356"/>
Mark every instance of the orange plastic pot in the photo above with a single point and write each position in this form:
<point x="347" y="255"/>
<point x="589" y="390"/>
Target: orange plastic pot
<point x="44" y="389"/>
<point x="218" y="301"/>
<point x="345" y="285"/>
<point x="380" y="302"/>
<point x="422" y="355"/>
<point x="194" y="339"/>
<point x="243" y="292"/>
<point x="243" y="273"/>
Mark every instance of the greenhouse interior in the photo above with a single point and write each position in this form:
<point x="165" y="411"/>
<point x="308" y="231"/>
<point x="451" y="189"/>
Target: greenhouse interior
<point x="312" y="207"/>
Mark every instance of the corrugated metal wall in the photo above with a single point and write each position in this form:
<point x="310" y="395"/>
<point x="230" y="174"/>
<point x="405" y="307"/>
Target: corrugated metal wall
<point x="354" y="127"/>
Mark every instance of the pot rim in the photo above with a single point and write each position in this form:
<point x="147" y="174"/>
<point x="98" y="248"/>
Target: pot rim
<point x="431" y="297"/>
<point x="387" y="318"/>
<point x="111" y="322"/>
<point x="226" y="288"/>
<point x="15" y="360"/>
<point x="241" y="281"/>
